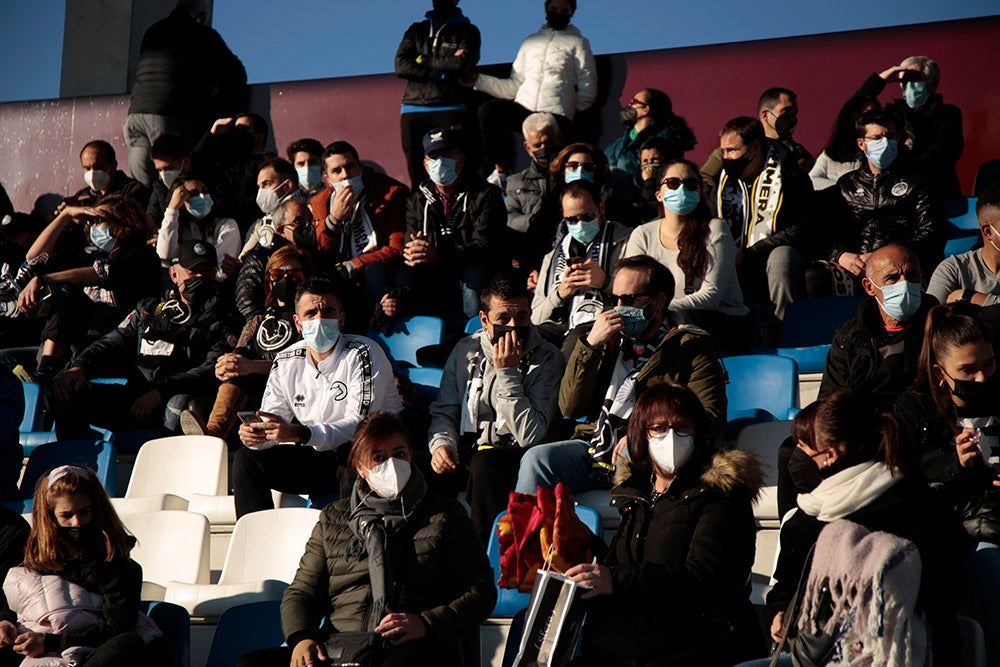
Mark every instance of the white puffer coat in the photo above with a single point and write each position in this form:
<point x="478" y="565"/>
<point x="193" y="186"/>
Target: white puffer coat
<point x="554" y="71"/>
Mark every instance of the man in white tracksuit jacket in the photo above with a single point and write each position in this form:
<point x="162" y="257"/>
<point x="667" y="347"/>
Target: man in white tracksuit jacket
<point x="318" y="391"/>
<point x="554" y="71"/>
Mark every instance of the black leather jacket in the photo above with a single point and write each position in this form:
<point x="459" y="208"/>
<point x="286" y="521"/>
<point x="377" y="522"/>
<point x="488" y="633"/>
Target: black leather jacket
<point x="896" y="206"/>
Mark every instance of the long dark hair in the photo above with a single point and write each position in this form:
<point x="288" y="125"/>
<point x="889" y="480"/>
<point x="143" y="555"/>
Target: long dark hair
<point x="602" y="171"/>
<point x="692" y="241"/>
<point x="846" y="421"/>
<point x="676" y="401"/>
<point x="843" y="145"/>
<point x="948" y="326"/>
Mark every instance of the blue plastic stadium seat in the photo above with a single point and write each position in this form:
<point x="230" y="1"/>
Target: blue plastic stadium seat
<point x="510" y="601"/>
<point x="812" y="321"/>
<point x="245" y="628"/>
<point x="473" y="325"/>
<point x="761" y="388"/>
<point x="99" y="455"/>
<point x="174" y="646"/>
<point x="33" y="404"/>
<point x="426" y="383"/>
<point x="963" y="226"/>
<point x="810" y="359"/>
<point x="410" y="335"/>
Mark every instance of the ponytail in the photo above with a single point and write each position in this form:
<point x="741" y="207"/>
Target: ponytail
<point x="890" y="451"/>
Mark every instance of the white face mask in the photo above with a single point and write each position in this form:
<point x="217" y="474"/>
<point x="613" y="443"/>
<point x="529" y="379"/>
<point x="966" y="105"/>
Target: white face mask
<point x="388" y="478"/>
<point x="671" y="450"/>
<point x="97" y="180"/>
<point x="267" y="200"/>
<point x="168" y="176"/>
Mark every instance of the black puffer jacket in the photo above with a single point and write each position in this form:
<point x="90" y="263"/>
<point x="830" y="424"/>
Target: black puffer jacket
<point x="250" y="279"/>
<point x="854" y="361"/>
<point x="477" y="227"/>
<point x="185" y="70"/>
<point x="438" y="564"/>
<point x="897" y="206"/>
<point x="936" y="129"/>
<point x="433" y="81"/>
<point x="680" y="567"/>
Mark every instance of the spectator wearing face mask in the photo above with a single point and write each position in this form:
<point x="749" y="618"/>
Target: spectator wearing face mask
<point x="306" y="155"/>
<point x="554" y="71"/>
<point x="318" y="391"/>
<point x="630" y="347"/>
<point x="191" y="215"/>
<point x="360" y="220"/>
<point x="103" y="178"/>
<point x="647" y="115"/>
<point x="277" y="182"/>
<point x="841" y="154"/>
<point x="292" y="227"/>
<point x="166" y="347"/>
<point x="974" y="276"/>
<point x="455" y="225"/>
<point x="886" y="201"/>
<point x="529" y="208"/>
<point x="574" y="284"/>
<point x="432" y="56"/>
<point x="932" y="127"/>
<point x="497" y="399"/>
<point x="170" y="157"/>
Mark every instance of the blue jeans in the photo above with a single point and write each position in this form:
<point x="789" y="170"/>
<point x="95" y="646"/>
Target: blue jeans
<point x="547" y="465"/>
<point x="982" y="572"/>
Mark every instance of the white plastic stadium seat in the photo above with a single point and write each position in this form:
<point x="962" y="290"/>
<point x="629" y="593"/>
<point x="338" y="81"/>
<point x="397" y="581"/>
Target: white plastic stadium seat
<point x="263" y="556"/>
<point x="182" y="465"/>
<point x="171" y="546"/>
<point x="142" y="504"/>
<point x="763" y="440"/>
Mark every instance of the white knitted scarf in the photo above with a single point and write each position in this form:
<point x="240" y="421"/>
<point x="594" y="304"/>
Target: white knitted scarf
<point x="847" y="491"/>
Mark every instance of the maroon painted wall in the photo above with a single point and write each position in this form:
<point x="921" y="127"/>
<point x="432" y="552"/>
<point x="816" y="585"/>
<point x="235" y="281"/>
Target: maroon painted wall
<point x="40" y="141"/>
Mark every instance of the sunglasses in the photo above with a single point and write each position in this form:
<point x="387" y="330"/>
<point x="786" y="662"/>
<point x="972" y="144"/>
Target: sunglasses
<point x="278" y="274"/>
<point x="674" y="183"/>
<point x="583" y="217"/>
<point x="587" y="166"/>
<point x="636" y="102"/>
<point x="629" y="299"/>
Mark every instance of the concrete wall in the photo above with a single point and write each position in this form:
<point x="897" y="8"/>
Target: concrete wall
<point x="40" y="141"/>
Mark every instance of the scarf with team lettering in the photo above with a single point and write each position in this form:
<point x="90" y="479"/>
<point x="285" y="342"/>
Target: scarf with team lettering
<point x="358" y="235"/>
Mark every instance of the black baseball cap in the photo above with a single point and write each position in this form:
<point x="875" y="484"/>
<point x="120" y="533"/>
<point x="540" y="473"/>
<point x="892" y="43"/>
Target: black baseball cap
<point x="193" y="253"/>
<point x="441" y="139"/>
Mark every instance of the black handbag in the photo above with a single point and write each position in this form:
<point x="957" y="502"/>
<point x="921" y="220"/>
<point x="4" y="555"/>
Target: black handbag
<point x="980" y="513"/>
<point x="355" y="649"/>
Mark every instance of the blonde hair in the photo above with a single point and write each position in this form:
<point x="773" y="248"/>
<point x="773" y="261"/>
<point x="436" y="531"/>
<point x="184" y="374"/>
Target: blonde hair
<point x="46" y="551"/>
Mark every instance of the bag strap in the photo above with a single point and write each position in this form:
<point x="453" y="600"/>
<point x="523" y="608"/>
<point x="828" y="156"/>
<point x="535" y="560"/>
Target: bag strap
<point x="793" y="606"/>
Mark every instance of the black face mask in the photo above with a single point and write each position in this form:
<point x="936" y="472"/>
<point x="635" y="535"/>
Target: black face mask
<point x="78" y="537"/>
<point x="499" y="330"/>
<point x="804" y="470"/>
<point x="542" y="157"/>
<point x="628" y="116"/>
<point x="304" y="236"/>
<point x="736" y="166"/>
<point x="982" y="399"/>
<point x="284" y="289"/>
<point x="199" y="290"/>
<point x="785" y="124"/>
<point x="557" y="21"/>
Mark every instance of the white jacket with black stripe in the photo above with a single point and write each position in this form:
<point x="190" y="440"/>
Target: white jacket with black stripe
<point x="354" y="381"/>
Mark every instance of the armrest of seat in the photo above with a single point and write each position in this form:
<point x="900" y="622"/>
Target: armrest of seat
<point x="154" y="503"/>
<point x="218" y="509"/>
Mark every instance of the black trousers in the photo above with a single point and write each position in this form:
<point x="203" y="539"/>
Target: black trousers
<point x="413" y="127"/>
<point x="419" y="652"/>
<point x="497" y="120"/>
<point x="285" y="468"/>
<point x="124" y="650"/>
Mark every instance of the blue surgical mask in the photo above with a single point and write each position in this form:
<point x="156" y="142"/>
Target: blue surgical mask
<point x="584" y="232"/>
<point x="321" y="334"/>
<point x="100" y="236"/>
<point x="578" y="173"/>
<point x="442" y="170"/>
<point x="309" y="176"/>
<point x="634" y="320"/>
<point x="356" y="183"/>
<point x="915" y="93"/>
<point x="199" y="206"/>
<point x="882" y="152"/>
<point x="680" y="201"/>
<point x="901" y="300"/>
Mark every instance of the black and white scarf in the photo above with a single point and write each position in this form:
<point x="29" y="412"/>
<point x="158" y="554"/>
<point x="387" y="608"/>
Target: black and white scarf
<point x="586" y="304"/>
<point x="358" y="235"/>
<point x="472" y="402"/>
<point x="752" y="213"/>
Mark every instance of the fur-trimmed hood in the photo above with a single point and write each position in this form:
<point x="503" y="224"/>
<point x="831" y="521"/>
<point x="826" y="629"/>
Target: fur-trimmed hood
<point x="729" y="471"/>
